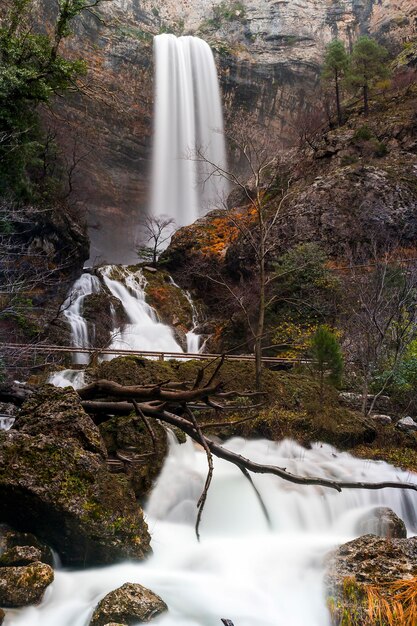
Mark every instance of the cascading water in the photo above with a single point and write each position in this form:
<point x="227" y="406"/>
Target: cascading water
<point x="72" y="309"/>
<point x="144" y="331"/>
<point x="242" y="569"/>
<point x="188" y="130"/>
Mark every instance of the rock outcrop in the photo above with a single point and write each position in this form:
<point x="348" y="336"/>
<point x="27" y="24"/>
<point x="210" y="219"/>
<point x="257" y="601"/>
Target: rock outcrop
<point x="130" y="604"/>
<point x="53" y="468"/>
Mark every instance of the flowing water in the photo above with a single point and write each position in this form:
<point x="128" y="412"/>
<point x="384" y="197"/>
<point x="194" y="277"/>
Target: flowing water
<point x="143" y="330"/>
<point x="188" y="138"/>
<point x="242" y="569"/>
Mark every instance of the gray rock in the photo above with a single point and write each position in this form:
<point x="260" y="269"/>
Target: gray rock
<point x="371" y="560"/>
<point x="15" y="546"/>
<point x="379" y="418"/>
<point x="20" y="555"/>
<point x="23" y="586"/>
<point x="407" y="424"/>
<point x="383" y="522"/>
<point x="128" y="604"/>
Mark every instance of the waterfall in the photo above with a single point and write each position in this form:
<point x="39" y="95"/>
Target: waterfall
<point x="144" y="330"/>
<point x="188" y="121"/>
<point x="72" y="309"/>
<point x="242" y="570"/>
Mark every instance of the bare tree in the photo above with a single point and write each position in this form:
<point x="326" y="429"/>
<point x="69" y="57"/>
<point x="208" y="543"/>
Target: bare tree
<point x="264" y="186"/>
<point x="381" y="319"/>
<point x="156" y="230"/>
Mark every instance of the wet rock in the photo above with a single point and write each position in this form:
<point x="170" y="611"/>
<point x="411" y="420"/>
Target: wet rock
<point x="2" y="616"/>
<point x="129" y="436"/>
<point x="58" y="413"/>
<point x="407" y="424"/>
<point x="381" y="419"/>
<point x="16" y="545"/>
<point x="130" y="603"/>
<point x="371" y="560"/>
<point x="383" y="522"/>
<point x="22" y="586"/>
<point x="20" y="555"/>
<point x="54" y="469"/>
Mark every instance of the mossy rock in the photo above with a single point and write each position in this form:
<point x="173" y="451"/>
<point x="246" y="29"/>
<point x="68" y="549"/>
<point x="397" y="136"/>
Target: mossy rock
<point x="130" y="433"/>
<point x="130" y="604"/>
<point x="58" y="486"/>
<point x="23" y="586"/>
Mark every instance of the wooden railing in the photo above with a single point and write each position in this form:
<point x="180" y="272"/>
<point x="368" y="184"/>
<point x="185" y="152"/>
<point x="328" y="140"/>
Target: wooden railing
<point x="51" y="349"/>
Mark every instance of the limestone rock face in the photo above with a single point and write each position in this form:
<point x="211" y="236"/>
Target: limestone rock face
<point x="61" y="481"/>
<point x="269" y="56"/>
<point x="129" y="604"/>
<point x="22" y="586"/>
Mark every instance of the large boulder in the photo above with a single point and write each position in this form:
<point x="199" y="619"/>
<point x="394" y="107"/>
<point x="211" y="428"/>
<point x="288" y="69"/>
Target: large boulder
<point x="383" y="522"/>
<point x="370" y="573"/>
<point x="55" y="483"/>
<point x="22" y="586"/>
<point x="130" y="604"/>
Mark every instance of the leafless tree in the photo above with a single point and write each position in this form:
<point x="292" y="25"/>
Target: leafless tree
<point x="381" y="318"/>
<point x="156" y="231"/>
<point x="265" y="188"/>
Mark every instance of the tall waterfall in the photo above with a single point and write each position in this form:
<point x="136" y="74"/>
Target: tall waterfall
<point x="188" y="126"/>
<point x="242" y="570"/>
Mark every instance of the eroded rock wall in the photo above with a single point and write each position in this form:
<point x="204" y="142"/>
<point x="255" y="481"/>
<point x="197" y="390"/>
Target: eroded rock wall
<point x="269" y="55"/>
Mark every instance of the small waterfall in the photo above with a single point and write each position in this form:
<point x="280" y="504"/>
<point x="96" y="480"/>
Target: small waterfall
<point x="72" y="309"/>
<point x="188" y="122"/>
<point x="144" y="330"/>
<point x="6" y="422"/>
<point x="242" y="570"/>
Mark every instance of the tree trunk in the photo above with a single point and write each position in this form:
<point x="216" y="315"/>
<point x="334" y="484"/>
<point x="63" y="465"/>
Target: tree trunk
<point x="338" y="105"/>
<point x="261" y="314"/>
<point x="366" y="99"/>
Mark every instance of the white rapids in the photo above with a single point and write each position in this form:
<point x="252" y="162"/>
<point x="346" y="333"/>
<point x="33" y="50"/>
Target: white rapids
<point x="188" y="141"/>
<point x="241" y="570"/>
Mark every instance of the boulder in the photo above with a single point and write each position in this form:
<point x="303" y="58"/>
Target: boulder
<point x="381" y="419"/>
<point x="20" y="555"/>
<point x="54" y="469"/>
<point x="22" y="547"/>
<point x="383" y="522"/>
<point x="369" y="564"/>
<point x="128" y="604"/>
<point x="371" y="560"/>
<point x="407" y="424"/>
<point x="22" y="586"/>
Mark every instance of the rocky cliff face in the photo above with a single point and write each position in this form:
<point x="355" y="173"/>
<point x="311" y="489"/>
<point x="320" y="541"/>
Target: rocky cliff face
<point x="269" y="55"/>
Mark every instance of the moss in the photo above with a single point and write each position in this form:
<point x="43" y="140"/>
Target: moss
<point x="168" y="300"/>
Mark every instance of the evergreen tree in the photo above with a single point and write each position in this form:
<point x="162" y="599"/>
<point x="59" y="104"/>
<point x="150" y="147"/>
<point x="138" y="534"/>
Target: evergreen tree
<point x="336" y="65"/>
<point x="32" y="71"/>
<point x="368" y="65"/>
<point x="327" y="356"/>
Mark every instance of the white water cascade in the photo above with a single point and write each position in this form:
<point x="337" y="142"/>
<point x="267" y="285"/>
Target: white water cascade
<point x="241" y="570"/>
<point x="144" y="331"/>
<point x="188" y="126"/>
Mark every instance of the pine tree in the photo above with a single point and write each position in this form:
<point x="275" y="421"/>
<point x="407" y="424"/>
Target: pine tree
<point x="335" y="68"/>
<point x="368" y="65"/>
<point x="327" y="357"/>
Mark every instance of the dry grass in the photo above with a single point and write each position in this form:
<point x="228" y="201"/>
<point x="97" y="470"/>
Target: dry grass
<point x="390" y="604"/>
